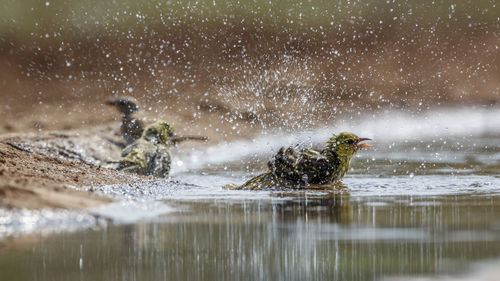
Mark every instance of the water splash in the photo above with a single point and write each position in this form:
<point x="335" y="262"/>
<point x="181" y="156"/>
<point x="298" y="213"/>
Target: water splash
<point x="26" y="222"/>
<point x="387" y="129"/>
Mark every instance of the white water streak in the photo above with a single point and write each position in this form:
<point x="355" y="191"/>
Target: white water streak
<point x="383" y="127"/>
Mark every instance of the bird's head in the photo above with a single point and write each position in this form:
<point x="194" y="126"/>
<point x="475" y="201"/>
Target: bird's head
<point x="346" y="144"/>
<point x="126" y="105"/>
<point x="159" y="132"/>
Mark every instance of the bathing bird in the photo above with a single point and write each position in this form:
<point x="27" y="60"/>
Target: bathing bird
<point x="132" y="128"/>
<point x="308" y="168"/>
<point x="149" y="154"/>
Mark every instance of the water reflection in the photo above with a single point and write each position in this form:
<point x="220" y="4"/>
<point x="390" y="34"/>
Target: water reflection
<point x="310" y="206"/>
<point x="323" y="237"/>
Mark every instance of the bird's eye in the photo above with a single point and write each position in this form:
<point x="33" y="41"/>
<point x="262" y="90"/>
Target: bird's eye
<point x="351" y="142"/>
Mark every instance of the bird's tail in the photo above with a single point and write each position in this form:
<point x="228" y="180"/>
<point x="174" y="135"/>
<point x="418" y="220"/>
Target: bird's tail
<point x="263" y="181"/>
<point x="177" y="139"/>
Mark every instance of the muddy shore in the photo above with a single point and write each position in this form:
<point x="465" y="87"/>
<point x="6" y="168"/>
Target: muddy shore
<point x="48" y="168"/>
<point x="37" y="171"/>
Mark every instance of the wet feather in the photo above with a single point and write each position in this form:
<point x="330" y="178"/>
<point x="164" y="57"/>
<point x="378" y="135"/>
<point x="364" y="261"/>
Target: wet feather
<point x="149" y="155"/>
<point x="289" y="168"/>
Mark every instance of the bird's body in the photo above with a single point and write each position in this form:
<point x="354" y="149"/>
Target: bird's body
<point x="292" y="169"/>
<point x="130" y="127"/>
<point x="149" y="155"/>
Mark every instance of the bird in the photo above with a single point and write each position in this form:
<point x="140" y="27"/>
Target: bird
<point x="149" y="154"/>
<point x="131" y="127"/>
<point x="308" y="168"/>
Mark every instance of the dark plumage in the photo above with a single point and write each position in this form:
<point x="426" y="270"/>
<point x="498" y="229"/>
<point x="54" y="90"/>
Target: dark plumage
<point x="130" y="127"/>
<point x="289" y="168"/>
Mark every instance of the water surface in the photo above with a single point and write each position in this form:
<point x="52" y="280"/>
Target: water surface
<point x="419" y="203"/>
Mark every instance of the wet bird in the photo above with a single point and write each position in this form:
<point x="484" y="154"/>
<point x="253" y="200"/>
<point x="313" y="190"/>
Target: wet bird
<point x="149" y="154"/>
<point x="308" y="168"/>
<point x="130" y="127"/>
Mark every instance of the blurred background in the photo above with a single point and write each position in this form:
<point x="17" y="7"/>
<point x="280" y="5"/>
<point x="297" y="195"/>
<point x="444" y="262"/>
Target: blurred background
<point x="233" y="67"/>
<point x="421" y="78"/>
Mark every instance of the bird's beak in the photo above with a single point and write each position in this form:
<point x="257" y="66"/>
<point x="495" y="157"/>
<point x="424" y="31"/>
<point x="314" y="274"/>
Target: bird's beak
<point x="361" y="145"/>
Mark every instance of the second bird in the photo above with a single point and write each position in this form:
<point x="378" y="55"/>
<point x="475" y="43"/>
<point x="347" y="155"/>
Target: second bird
<point x="131" y="127"/>
<point x="149" y="155"/>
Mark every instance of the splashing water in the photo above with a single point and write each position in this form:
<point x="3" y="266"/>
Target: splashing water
<point x="422" y="201"/>
<point x="393" y="132"/>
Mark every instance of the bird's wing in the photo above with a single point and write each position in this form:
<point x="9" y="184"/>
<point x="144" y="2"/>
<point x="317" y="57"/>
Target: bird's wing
<point x="128" y="149"/>
<point x="313" y="167"/>
<point x="137" y="157"/>
<point x="161" y="162"/>
<point x="282" y="165"/>
<point x="131" y="128"/>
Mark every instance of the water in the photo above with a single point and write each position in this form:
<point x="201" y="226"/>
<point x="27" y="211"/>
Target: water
<point x="420" y="203"/>
<point x="281" y="237"/>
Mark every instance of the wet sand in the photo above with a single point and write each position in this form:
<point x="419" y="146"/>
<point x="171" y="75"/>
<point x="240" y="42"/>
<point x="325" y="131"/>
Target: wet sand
<point x="38" y="176"/>
<point x="49" y="168"/>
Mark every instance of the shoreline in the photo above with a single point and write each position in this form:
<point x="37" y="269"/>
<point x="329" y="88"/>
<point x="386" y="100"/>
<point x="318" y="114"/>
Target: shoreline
<point x="36" y="171"/>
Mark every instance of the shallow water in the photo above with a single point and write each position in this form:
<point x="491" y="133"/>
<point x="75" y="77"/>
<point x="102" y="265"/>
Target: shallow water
<point x="422" y="202"/>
